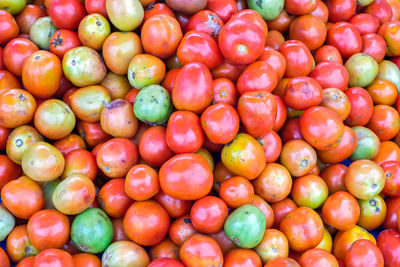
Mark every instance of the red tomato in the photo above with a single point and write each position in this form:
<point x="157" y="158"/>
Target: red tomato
<point x="275" y="39"/>
<point x="333" y="176"/>
<point x="193" y="88"/>
<point x="291" y="130"/>
<point x="201" y="251"/>
<point x="318" y="257"/>
<point x="361" y="106"/>
<point x="275" y="60"/>
<point x="164" y="262"/>
<point x="281" y="209"/>
<point x="258" y="76"/>
<point x="365" y="23"/>
<point x="92" y="133"/>
<point x="327" y="53"/>
<point x="331" y="75"/>
<point x="175" y="207"/>
<point x="236" y="191"/>
<point x="66" y="14"/>
<point x="385" y="122"/>
<point x="299" y="61"/>
<point x="272" y="145"/>
<point x="113" y="199"/>
<point x="224" y="91"/>
<point x="302" y="93"/>
<point x="281" y="113"/>
<point x="308" y="29"/>
<point x="53" y="257"/>
<point x="374" y="46"/>
<point x="220" y="123"/>
<point x="141" y="182"/>
<point x="80" y="161"/>
<point x="389" y="244"/>
<point x="208" y="214"/>
<point x="157" y="9"/>
<point x="236" y="44"/>
<point x="253" y="17"/>
<point x="8" y="27"/>
<point x="363" y="253"/>
<point x="380" y="9"/>
<point x="300" y="7"/>
<point x="62" y="41"/>
<point x="392" y="205"/>
<point x="181" y="229"/>
<point x="242" y="257"/>
<point x="321" y="11"/>
<point x="341" y="10"/>
<point x="15" y="53"/>
<point x="207" y="22"/>
<point x="282" y="22"/>
<point x="224" y="9"/>
<point x="28" y="16"/>
<point x="8" y="170"/>
<point x="96" y="6"/>
<point x="184" y="133"/>
<point x="345" y="37"/>
<point x="392" y="175"/>
<point x="153" y="147"/>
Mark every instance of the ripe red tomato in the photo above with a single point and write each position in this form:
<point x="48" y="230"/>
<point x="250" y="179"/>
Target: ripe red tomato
<point x="318" y="257"/>
<point x="96" y="6"/>
<point x="157" y="9"/>
<point x="299" y="61"/>
<point x="392" y="205"/>
<point x="327" y="53"/>
<point x="8" y="27"/>
<point x="208" y="214"/>
<point x="242" y="257"/>
<point x="62" y="41"/>
<point x="53" y="257"/>
<point x="389" y="244"/>
<point x="362" y="253"/>
<point x="361" y="106"/>
<point x="224" y="9"/>
<point x="141" y="182"/>
<point x="341" y="10"/>
<point x="153" y="147"/>
<point x="374" y="46"/>
<point x="381" y="10"/>
<point x="392" y="175"/>
<point x="236" y="191"/>
<point x="201" y="251"/>
<point x="308" y="29"/>
<point x="345" y="37"/>
<point x="365" y="23"/>
<point x="113" y="199"/>
<point x="175" y="207"/>
<point x="16" y="52"/>
<point x="302" y="93"/>
<point x="300" y="7"/>
<point x="331" y="75"/>
<point x="28" y="16"/>
<point x="385" y="122"/>
<point x="207" y="22"/>
<point x="258" y="76"/>
<point x="66" y="14"/>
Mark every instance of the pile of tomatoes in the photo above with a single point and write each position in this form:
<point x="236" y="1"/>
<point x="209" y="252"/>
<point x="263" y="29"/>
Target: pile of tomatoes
<point x="200" y="133"/>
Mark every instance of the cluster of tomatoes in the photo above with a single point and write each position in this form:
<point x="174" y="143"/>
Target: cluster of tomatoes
<point x="200" y="133"/>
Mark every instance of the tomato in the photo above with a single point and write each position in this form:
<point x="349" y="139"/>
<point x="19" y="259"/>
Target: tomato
<point x="228" y="70"/>
<point x="16" y="52"/>
<point x="275" y="60"/>
<point x="303" y="228"/>
<point x="321" y="11"/>
<point x="374" y="46"/>
<point x="19" y="140"/>
<point x="92" y="133"/>
<point x="86" y="259"/>
<point x="93" y="30"/>
<point x="298" y="157"/>
<point x="66" y="14"/>
<point x="336" y="100"/>
<point x="273" y="245"/>
<point x="364" y="252"/>
<point x="254" y="17"/>
<point x="341" y="211"/>
<point x="392" y="175"/>
<point x="8" y="80"/>
<point x="165" y="262"/>
<point x="18" y="244"/>
<point x="186" y="177"/>
<point x="282" y="262"/>
<point x="326" y="242"/>
<point x="384" y="122"/>
<point x="291" y="130"/>
<point x="383" y="92"/>
<point x="244" y="156"/>
<point x="181" y="229"/>
<point x="333" y="176"/>
<point x="327" y="53"/>
<point x="242" y="257"/>
<point x="389" y="244"/>
<point x="119" y="232"/>
<point x="199" y="250"/>
<point x="62" y="41"/>
<point x="258" y="76"/>
<point x="155" y="8"/>
<point x="381" y="10"/>
<point x="387" y="152"/>
<point x="272" y="145"/>
<point x="281" y="208"/>
<point x="236" y="191"/>
<point x="28" y="16"/>
<point x="169" y="79"/>
<point x="165" y="249"/>
<point x="372" y="213"/>
<point x="224" y="9"/>
<point x="26" y="262"/>
<point x="330" y="74"/>
<point x="53" y="257"/>
<point x="207" y="22"/>
<point x="299" y="61"/>
<point x="144" y="70"/>
<point x="194" y="81"/>
<point x="282" y="22"/>
<point x="175" y="207"/>
<point x="309" y="191"/>
<point x="341" y="10"/>
<point x="125" y="252"/>
<point x="113" y="199"/>
<point x="361" y="76"/>
<point x="302" y="93"/>
<point x="345" y="37"/>
<point x="308" y="29"/>
<point x="48" y="229"/>
<point x="8" y="27"/>
<point x="392" y="204"/>
<point x="118" y="50"/>
<point x="318" y="257"/>
<point x="96" y="6"/>
<point x="361" y="107"/>
<point x="235" y="44"/>
<point x="388" y="31"/>
<point x="275" y="39"/>
<point x="141" y="182"/>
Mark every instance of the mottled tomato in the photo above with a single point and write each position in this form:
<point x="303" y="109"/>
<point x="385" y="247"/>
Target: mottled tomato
<point x="327" y="53"/>
<point x="181" y="229"/>
<point x="385" y="122"/>
<point x="193" y="82"/>
<point x="8" y="27"/>
<point x="361" y="106"/>
<point x="41" y="74"/>
<point x="66" y="14"/>
<point x="389" y="244"/>
<point x="208" y="214"/>
<point x="302" y="93"/>
<point x="28" y="16"/>
<point x="341" y="211"/>
<point x="92" y="133"/>
<point x="48" y="229"/>
<point x="141" y="182"/>
<point x="309" y="191"/>
<point x="336" y="100"/>
<point x="299" y="61"/>
<point x="207" y="22"/>
<point x="200" y="251"/>
<point x="372" y="213"/>
<point x="345" y="37"/>
<point x="153" y="147"/>
<point x="146" y="223"/>
<point x="18" y="244"/>
<point x="175" y="207"/>
<point x="383" y="92"/>
<point x="272" y="145"/>
<point x="257" y="111"/>
<point x="244" y="156"/>
<point x="298" y="157"/>
<point x="186" y="177"/>
<point x="144" y="70"/>
<point x="235" y="43"/>
<point x="16" y="52"/>
<point x="161" y="35"/>
<point x="62" y="41"/>
<point x="308" y="29"/>
<point x="303" y="228"/>
<point x="113" y="199"/>
<point x="389" y="31"/>
<point x="341" y="10"/>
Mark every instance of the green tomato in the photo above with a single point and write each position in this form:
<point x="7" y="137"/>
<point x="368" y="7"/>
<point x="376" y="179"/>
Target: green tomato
<point x="362" y="70"/>
<point x="268" y="9"/>
<point x="125" y="254"/>
<point x="389" y="71"/>
<point x="48" y="189"/>
<point x="92" y="231"/>
<point x="153" y="105"/>
<point x="362" y="3"/>
<point x="245" y="226"/>
<point x="7" y="222"/>
<point x="41" y="32"/>
<point x="368" y="144"/>
<point x="372" y="212"/>
<point x="13" y="6"/>
<point x="83" y="66"/>
<point x="93" y="30"/>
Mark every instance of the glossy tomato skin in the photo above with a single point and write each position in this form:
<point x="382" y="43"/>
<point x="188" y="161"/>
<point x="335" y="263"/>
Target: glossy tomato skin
<point x="346" y="38"/>
<point x="381" y="10"/>
<point x="385" y="122"/>
<point x="96" y="6"/>
<point x="333" y="176"/>
<point x="174" y="206"/>
<point x="153" y="147"/>
<point x="208" y="214"/>
<point x="374" y="46"/>
<point x="200" y="251"/>
<point x="365" y="23"/>
<point x="235" y="44"/>
<point x="16" y="52"/>
<point x="242" y="257"/>
<point x="207" y="22"/>
<point x="224" y="9"/>
<point x="341" y="10"/>
<point x="318" y="257"/>
<point x="308" y="29"/>
<point x="92" y="133"/>
<point x="272" y="145"/>
<point x="383" y="92"/>
<point x="193" y="83"/>
<point x="186" y="177"/>
<point x="392" y="204"/>
<point x="299" y="7"/>
<point x="275" y="60"/>
<point x="331" y="74"/>
<point x="275" y="39"/>
<point x="113" y="199"/>
<point x="298" y="157"/>
<point x="257" y="111"/>
<point x="165" y="262"/>
<point x="53" y="257"/>
<point x="62" y="41"/>
<point x="66" y="14"/>
<point x="80" y="161"/>
<point x="363" y="252"/>
<point x="8" y="170"/>
<point x="302" y="93"/>
<point x="157" y="9"/>
<point x="181" y="229"/>
<point x="392" y="175"/>
<point x="327" y="53"/>
<point x="199" y="47"/>
<point x="184" y="133"/>
<point x="236" y="191"/>
<point x="361" y="106"/>
<point x="299" y="61"/>
<point x="282" y="22"/>
<point x="389" y="243"/>
<point x="258" y="76"/>
<point x="165" y="249"/>
<point x="336" y="100"/>
<point x="8" y="27"/>
<point x="389" y="151"/>
<point x="28" y="16"/>
<point x="141" y="183"/>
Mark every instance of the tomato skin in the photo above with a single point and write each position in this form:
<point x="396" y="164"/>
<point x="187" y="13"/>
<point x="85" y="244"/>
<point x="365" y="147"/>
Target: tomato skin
<point x="299" y="61"/>
<point x="207" y="22"/>
<point x="257" y="111"/>
<point x="86" y="259"/>
<point x="207" y="208"/>
<point x="236" y="191"/>
<point x="165" y="249"/>
<point x="302" y="93"/>
<point x="66" y="14"/>
<point x="242" y="257"/>
<point x="113" y="199"/>
<point x="228" y="70"/>
<point x="62" y="41"/>
<point x="275" y="60"/>
<point x="364" y="252"/>
<point x="141" y="182"/>
<point x="308" y="29"/>
<point x="272" y="145"/>
<point x="374" y="46"/>
<point x="184" y="133"/>
<point x="383" y="92"/>
<point x="165" y="262"/>
<point x="235" y="44"/>
<point x="258" y="76"/>
<point x="96" y="6"/>
<point x="53" y="257"/>
<point x="373" y="213"/>
<point x="337" y="101"/>
<point x="327" y="53"/>
<point x="153" y="147"/>
<point x="299" y="7"/>
<point x="331" y="74"/>
<point x="392" y="175"/>
<point x="175" y="207"/>
<point x="157" y="9"/>
<point x="28" y="16"/>
<point x="341" y="10"/>
<point x="298" y="157"/>
<point x="194" y="81"/>
<point x="318" y="257"/>
<point x="392" y="205"/>
<point x="277" y="262"/>
<point x="361" y="107"/>
<point x="186" y="177"/>
<point x="224" y="9"/>
<point x="8" y="27"/>
<point x="389" y="244"/>
<point x="275" y="39"/>
<point x="220" y="123"/>
<point x="282" y="22"/>
<point x="8" y="170"/>
<point x="389" y="151"/>
<point x="16" y="52"/>
<point x="381" y="10"/>
<point x="346" y="38"/>
<point x="200" y="251"/>
<point x="365" y="23"/>
<point x="385" y="122"/>
<point x="92" y="133"/>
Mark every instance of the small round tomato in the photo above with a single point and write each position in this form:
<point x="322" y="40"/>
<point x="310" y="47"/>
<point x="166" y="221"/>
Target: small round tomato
<point x="200" y="250"/>
<point x="96" y="6"/>
<point x="53" y="257"/>
<point x="28" y="16"/>
<point x="299" y="61"/>
<point x="125" y="252"/>
<point x="282" y="22"/>
<point x="113" y="199"/>
<point x="141" y="182"/>
<point x="361" y="106"/>
<point x="244" y="156"/>
<point x="383" y="92"/>
<point x="346" y="38"/>
<point x="392" y="176"/>
<point x="153" y="147"/>
<point x="208" y="214"/>
<point x="18" y="244"/>
<point x="224" y="9"/>
<point x="9" y="28"/>
<point x="389" y="31"/>
<point x="272" y="145"/>
<point x="309" y="191"/>
<point x="8" y="81"/>
<point x="22" y="197"/>
<point x="273" y="245"/>
<point x="235" y="44"/>
<point x="86" y="259"/>
<point x="341" y="10"/>
<point x="144" y="70"/>
<point x="181" y="229"/>
<point x="388" y="151"/>
<point x="93" y="30"/>
<point x="92" y="133"/>
<point x="336" y="100"/>
<point x="385" y="122"/>
<point x="66" y="14"/>
<point x="146" y="223"/>
<point x="207" y="22"/>
<point x="298" y="157"/>
<point x="303" y="228"/>
<point x="327" y="53"/>
<point x="242" y="257"/>
<point x="62" y="41"/>
<point x="331" y="74"/>
<point x="321" y="127"/>
<point x="275" y="60"/>
<point x="174" y="206"/>
<point x="291" y="130"/>
<point x="186" y="177"/>
<point x="161" y="36"/>
<point x="321" y="11"/>
<point x="381" y="10"/>
<point x="224" y="91"/>
<point x="341" y="211"/>
<point x="363" y="252"/>
<point x="228" y="70"/>
<point x="302" y="93"/>
<point x="318" y="257"/>
<point x="236" y="191"/>
<point x="374" y="46"/>
<point x="157" y="9"/>
<point x="275" y="39"/>
<point x="116" y="156"/>
<point x="365" y="23"/>
<point x="280" y="209"/>
<point x="80" y="161"/>
<point x="392" y="206"/>
<point x="372" y="213"/>
<point x="16" y="52"/>
<point x="258" y="76"/>
<point x="389" y="244"/>
<point x="165" y="249"/>
<point x="299" y="7"/>
<point x="308" y="29"/>
<point x="48" y="229"/>
<point x="333" y="176"/>
<point x="8" y="170"/>
<point x="194" y="81"/>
